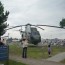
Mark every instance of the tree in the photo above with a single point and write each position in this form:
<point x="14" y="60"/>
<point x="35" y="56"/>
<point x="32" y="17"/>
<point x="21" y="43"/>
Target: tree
<point x="62" y="23"/>
<point x="3" y="19"/>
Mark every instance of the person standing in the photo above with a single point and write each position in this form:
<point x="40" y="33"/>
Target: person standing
<point x="49" y="50"/>
<point x="24" y="45"/>
<point x="1" y="43"/>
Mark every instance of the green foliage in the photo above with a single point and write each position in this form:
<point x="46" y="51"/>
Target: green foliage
<point x="11" y="62"/>
<point x="3" y="19"/>
<point x="62" y="23"/>
<point x="63" y="61"/>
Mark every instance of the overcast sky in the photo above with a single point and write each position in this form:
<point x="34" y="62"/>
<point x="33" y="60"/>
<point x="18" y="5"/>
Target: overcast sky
<point x="49" y="12"/>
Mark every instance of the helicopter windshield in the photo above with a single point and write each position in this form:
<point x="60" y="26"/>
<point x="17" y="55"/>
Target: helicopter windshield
<point x="33" y="29"/>
<point x="36" y="33"/>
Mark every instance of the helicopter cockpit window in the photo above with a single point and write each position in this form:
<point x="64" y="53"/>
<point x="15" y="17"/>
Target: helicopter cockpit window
<point x="36" y="33"/>
<point x="33" y="29"/>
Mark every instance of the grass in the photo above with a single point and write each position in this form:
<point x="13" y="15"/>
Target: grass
<point x="42" y="53"/>
<point x="36" y="52"/>
<point x="15" y="63"/>
<point x="63" y="61"/>
<point x="11" y="62"/>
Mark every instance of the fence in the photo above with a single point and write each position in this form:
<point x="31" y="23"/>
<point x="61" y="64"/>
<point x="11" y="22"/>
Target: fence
<point x="4" y="54"/>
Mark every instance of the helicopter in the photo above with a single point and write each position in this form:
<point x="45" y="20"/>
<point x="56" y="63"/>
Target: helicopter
<point x="31" y="33"/>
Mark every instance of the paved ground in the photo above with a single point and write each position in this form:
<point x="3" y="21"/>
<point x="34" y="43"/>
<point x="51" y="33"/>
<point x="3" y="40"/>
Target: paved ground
<point x="57" y="58"/>
<point x="33" y="61"/>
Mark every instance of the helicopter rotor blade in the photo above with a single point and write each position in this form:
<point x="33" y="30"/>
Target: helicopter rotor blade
<point x="39" y="27"/>
<point x="49" y="26"/>
<point x="15" y="27"/>
<point x="36" y="26"/>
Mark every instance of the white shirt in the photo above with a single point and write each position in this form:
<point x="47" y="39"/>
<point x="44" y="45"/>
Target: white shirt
<point x="25" y="43"/>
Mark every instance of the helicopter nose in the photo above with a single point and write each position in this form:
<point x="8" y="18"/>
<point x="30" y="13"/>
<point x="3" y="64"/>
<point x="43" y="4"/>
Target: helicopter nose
<point x="37" y="37"/>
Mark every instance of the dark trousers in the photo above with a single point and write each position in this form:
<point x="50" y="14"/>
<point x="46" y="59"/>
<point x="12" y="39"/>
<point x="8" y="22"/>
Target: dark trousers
<point x="49" y="52"/>
<point x="24" y="53"/>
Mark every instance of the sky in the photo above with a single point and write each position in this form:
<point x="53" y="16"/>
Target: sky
<point x="46" y="12"/>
